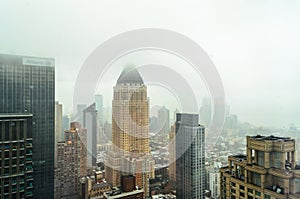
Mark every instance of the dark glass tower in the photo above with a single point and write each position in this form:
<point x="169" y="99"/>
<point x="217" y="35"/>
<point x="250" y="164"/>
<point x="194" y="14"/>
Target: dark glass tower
<point x="16" y="156"/>
<point x="27" y="85"/>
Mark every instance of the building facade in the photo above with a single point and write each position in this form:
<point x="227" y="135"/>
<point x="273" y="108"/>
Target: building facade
<point x="16" y="180"/>
<point x="91" y="124"/>
<point x="58" y="127"/>
<point x="130" y="131"/>
<point x="214" y="183"/>
<point x="268" y="170"/>
<point x="71" y="163"/>
<point x="27" y="86"/>
<point x="163" y="120"/>
<point x="172" y="154"/>
<point x="190" y="157"/>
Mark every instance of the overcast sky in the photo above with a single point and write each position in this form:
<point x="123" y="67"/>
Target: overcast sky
<point x="254" y="44"/>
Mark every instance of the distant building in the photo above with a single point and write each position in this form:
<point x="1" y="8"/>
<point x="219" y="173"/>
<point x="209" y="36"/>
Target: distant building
<point x="268" y="170"/>
<point x="28" y="87"/>
<point x="231" y="121"/>
<point x="91" y="125"/>
<point x="190" y="157"/>
<point x="214" y="183"/>
<point x="71" y="163"/>
<point x="16" y="179"/>
<point x="172" y="154"/>
<point x="99" y="108"/>
<point x="65" y="124"/>
<point x="153" y="125"/>
<point x="79" y="113"/>
<point x="163" y="120"/>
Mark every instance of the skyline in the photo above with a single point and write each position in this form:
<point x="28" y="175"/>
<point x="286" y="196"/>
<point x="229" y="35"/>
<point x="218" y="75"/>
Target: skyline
<point x="260" y="50"/>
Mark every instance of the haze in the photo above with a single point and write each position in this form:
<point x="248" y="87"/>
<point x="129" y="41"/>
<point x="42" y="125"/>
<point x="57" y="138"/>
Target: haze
<point x="254" y="44"/>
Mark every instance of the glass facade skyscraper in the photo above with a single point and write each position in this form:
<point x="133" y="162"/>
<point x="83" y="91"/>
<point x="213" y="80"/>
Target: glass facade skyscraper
<point x="27" y="85"/>
<point x="190" y="157"/>
<point x="16" y="179"/>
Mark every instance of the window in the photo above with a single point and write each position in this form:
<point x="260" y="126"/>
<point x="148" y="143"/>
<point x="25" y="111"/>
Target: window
<point x="267" y="197"/>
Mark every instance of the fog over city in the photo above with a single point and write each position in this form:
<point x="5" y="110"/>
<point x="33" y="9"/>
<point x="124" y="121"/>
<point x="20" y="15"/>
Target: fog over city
<point x="253" y="44"/>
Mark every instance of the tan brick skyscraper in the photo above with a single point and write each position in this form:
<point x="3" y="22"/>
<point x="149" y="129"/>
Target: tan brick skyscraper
<point x="130" y="131"/>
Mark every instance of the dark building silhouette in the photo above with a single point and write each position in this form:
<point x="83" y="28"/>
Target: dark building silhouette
<point x="16" y="180"/>
<point x="27" y="86"/>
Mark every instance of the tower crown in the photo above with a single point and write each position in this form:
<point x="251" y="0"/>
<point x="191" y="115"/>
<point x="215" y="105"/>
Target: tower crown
<point x="130" y="75"/>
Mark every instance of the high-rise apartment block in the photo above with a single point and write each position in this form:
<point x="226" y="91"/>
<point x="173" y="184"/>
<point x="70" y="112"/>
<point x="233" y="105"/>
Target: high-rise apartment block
<point x="71" y="163"/>
<point x="268" y="171"/>
<point x="27" y="86"/>
<point x="190" y="157"/>
<point x="16" y="180"/>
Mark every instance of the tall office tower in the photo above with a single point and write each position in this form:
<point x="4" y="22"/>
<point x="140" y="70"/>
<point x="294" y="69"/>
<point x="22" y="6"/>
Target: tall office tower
<point x="69" y="164"/>
<point x="268" y="170"/>
<point x="163" y="120"/>
<point x="58" y="127"/>
<point x="91" y="125"/>
<point x="190" y="154"/>
<point x="172" y="154"/>
<point x="27" y="85"/>
<point x="99" y="108"/>
<point x="130" y="131"/>
<point x="214" y="182"/>
<point x="16" y="179"/>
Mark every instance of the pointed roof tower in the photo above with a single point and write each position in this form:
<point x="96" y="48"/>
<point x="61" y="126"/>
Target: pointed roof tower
<point x="130" y="75"/>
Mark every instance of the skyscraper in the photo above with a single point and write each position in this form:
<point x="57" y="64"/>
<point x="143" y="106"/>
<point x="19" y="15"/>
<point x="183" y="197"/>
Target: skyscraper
<point x="214" y="182"/>
<point x="163" y="120"/>
<point x="71" y="162"/>
<point x="172" y="154"/>
<point x="91" y="125"/>
<point x="99" y="108"/>
<point x="27" y="85"/>
<point x="58" y="127"/>
<point x="190" y="154"/>
<point x="130" y="131"/>
<point x="16" y="179"/>
<point x="268" y="170"/>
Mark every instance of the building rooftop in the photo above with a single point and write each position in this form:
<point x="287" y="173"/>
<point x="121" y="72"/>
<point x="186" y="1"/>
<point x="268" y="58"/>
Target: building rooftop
<point x="270" y="138"/>
<point x="101" y="185"/>
<point x="114" y="194"/>
<point x="130" y="75"/>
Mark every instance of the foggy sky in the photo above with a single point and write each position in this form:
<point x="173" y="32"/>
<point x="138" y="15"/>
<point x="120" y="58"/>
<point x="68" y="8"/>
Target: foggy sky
<point x="254" y="44"/>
